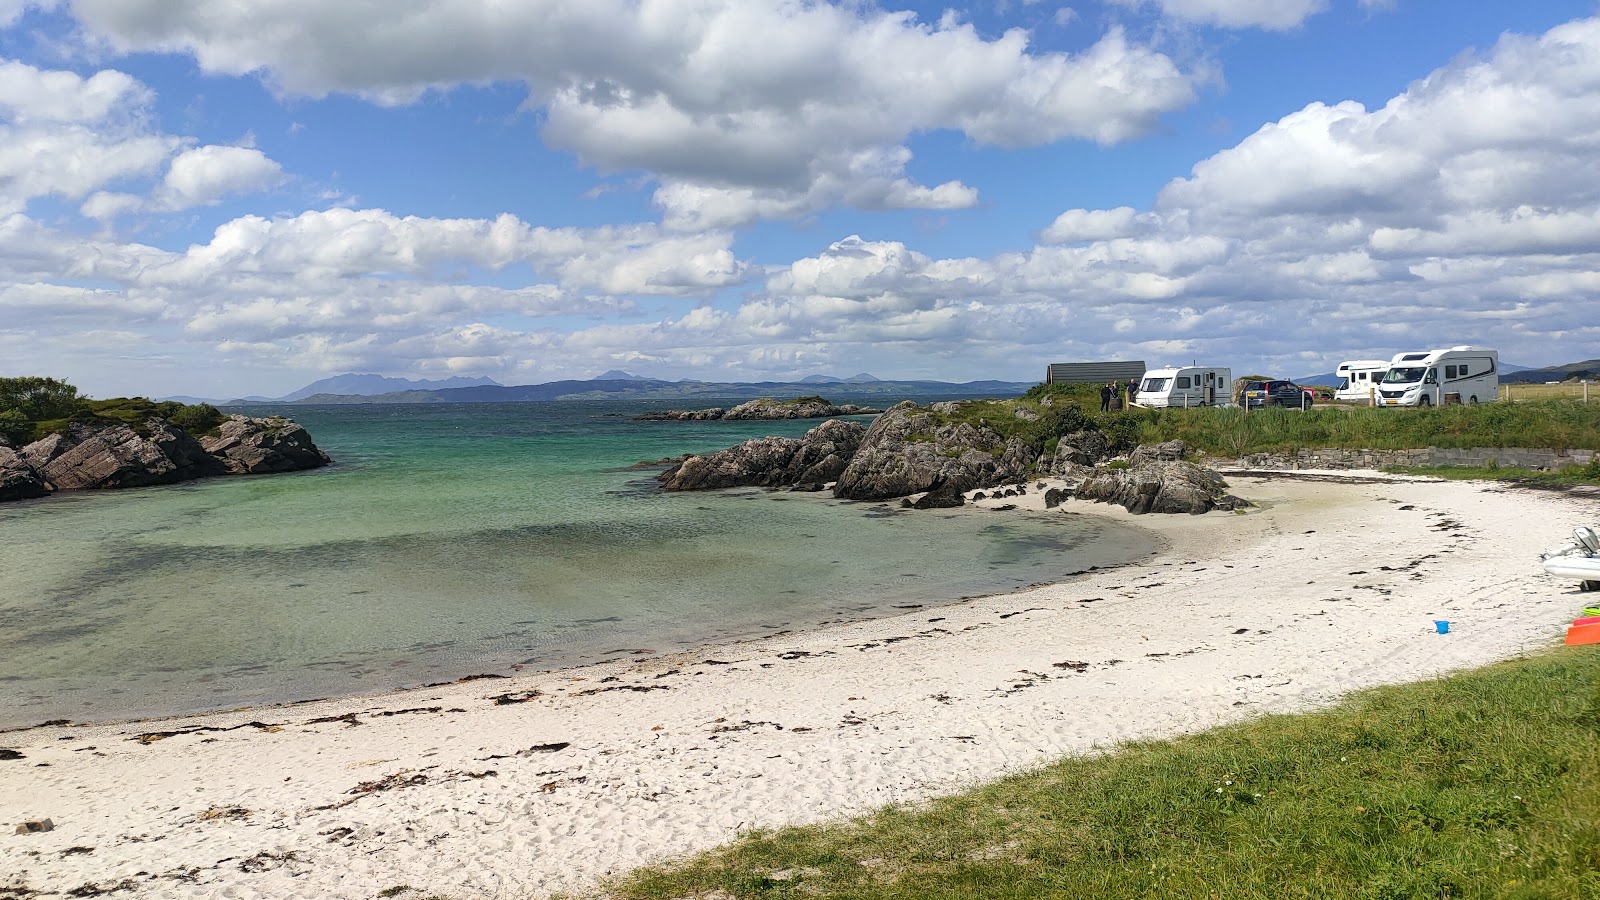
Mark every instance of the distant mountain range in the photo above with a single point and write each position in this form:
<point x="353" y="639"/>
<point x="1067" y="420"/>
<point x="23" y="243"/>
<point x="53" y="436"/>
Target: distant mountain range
<point x="1589" y="368"/>
<point x="620" y="385"/>
<point x="350" y="383"/>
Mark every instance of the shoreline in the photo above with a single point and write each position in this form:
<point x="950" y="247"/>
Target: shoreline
<point x="548" y="781"/>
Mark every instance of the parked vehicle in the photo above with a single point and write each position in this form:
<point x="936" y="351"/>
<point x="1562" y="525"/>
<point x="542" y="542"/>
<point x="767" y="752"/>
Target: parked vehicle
<point x="1261" y="394"/>
<point x="1358" y="379"/>
<point x="1185" y="386"/>
<point x="1435" y="377"/>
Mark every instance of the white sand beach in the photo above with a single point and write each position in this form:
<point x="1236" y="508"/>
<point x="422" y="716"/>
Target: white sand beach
<point x="518" y="787"/>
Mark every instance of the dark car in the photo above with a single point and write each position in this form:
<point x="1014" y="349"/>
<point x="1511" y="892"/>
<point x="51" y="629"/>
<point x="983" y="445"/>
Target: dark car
<point x="1258" y="394"/>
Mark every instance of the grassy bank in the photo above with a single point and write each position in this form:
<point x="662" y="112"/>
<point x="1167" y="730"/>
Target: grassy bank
<point x="1486" y="784"/>
<point x="1555" y="424"/>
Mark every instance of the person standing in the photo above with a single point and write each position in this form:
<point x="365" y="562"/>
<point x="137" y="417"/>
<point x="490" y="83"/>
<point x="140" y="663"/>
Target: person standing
<point x="1133" y="390"/>
<point x="1105" y="397"/>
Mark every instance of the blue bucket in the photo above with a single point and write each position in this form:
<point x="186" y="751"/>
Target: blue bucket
<point x="1441" y="626"/>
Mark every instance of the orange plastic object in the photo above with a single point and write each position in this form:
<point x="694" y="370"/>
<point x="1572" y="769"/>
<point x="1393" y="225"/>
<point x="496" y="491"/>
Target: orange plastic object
<point x="1583" y="634"/>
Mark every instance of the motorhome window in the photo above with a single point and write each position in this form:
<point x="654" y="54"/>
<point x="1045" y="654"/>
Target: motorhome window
<point x="1154" y="385"/>
<point x="1344" y="385"/>
<point x="1404" y="375"/>
<point x="1449" y="371"/>
<point x="1183" y="381"/>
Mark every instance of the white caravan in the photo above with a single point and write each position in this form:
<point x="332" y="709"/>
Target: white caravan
<point x="1434" y="377"/>
<point x="1358" y="379"/>
<point x="1186" y="386"/>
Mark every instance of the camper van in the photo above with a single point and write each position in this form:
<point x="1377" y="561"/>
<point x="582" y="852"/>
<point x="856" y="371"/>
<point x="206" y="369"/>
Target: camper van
<point x="1358" y="379"/>
<point x="1185" y="386"/>
<point x="1435" y="377"/>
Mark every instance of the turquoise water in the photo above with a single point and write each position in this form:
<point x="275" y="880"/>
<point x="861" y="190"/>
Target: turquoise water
<point x="451" y="540"/>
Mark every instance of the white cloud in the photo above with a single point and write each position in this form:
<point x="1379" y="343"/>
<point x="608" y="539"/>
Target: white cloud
<point x="204" y="175"/>
<point x="755" y="107"/>
<point x="29" y="95"/>
<point x="1077" y="225"/>
<point x="1272" y="15"/>
<point x="65" y="135"/>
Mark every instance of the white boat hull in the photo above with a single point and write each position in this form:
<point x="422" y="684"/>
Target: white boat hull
<point x="1583" y="568"/>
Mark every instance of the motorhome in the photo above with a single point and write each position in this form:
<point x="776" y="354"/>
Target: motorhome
<point x="1185" y="386"/>
<point x="1358" y="379"/>
<point x="1436" y="377"/>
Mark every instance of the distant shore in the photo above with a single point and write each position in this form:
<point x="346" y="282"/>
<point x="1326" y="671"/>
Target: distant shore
<point x="518" y="787"/>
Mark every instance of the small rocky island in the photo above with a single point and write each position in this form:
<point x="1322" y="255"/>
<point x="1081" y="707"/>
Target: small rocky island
<point x="938" y="453"/>
<point x="762" y="408"/>
<point x="132" y="442"/>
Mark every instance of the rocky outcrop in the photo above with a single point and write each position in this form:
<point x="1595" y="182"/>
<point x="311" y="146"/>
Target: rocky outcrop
<point x="247" y="446"/>
<point x="911" y="449"/>
<point x="806" y="462"/>
<point x="97" y="455"/>
<point x="682" y="415"/>
<point x="1076" y="451"/>
<point x="87" y="456"/>
<point x="764" y="408"/>
<point x="18" y="480"/>
<point x="1159" y="480"/>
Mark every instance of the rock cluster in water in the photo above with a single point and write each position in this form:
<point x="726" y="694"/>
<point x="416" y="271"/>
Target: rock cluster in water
<point x="911" y="450"/>
<point x="87" y="456"/>
<point x="805" y="462"/>
<point x="763" y="408"/>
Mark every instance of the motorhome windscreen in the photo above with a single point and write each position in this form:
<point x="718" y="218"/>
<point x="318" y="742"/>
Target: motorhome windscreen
<point x="1155" y="385"/>
<point x="1405" y="376"/>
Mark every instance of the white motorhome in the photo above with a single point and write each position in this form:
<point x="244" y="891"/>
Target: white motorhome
<point x="1358" y="379"/>
<point x="1186" y="386"/>
<point x="1435" y="377"/>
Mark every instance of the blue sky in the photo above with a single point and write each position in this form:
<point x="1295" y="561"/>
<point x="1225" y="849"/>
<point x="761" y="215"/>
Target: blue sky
<point x="220" y="199"/>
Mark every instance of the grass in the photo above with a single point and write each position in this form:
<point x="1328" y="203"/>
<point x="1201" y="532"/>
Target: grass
<point x="1484" y="784"/>
<point x="1556" y="424"/>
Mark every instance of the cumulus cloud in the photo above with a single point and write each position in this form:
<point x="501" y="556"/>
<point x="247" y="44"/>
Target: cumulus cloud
<point x="1465" y="209"/>
<point x="755" y="107"/>
<point x="204" y="175"/>
<point x="65" y="135"/>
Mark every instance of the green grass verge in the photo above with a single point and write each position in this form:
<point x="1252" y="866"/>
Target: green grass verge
<point x="1555" y="424"/>
<point x="1484" y="784"/>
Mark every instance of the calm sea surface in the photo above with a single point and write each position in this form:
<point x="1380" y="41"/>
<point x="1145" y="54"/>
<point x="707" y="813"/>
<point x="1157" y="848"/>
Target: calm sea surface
<point x="449" y="540"/>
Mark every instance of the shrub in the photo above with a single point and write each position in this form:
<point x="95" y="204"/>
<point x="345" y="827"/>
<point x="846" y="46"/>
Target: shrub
<point x="35" y="398"/>
<point x="197" y="419"/>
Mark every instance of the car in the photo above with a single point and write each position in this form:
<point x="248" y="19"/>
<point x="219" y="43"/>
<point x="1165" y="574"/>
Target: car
<point x="1260" y="394"/>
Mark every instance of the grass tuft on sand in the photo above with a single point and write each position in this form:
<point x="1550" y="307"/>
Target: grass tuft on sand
<point x="1483" y="784"/>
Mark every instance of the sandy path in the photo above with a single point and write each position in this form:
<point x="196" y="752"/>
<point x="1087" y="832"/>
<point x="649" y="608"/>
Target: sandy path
<point x="1329" y="588"/>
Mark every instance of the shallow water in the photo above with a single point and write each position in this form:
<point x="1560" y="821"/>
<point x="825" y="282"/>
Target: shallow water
<point x="450" y="540"/>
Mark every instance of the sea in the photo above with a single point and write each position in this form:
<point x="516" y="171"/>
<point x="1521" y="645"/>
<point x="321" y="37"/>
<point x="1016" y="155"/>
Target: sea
<point x="452" y="540"/>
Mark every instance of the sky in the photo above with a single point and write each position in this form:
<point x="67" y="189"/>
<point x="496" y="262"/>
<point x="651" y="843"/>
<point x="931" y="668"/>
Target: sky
<point x="227" y="197"/>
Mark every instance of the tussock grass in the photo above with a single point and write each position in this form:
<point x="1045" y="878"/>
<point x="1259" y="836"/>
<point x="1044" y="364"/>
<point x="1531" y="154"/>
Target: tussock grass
<point x="1485" y="784"/>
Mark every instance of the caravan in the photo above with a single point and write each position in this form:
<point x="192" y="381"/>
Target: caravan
<point x="1435" y="377"/>
<point x="1358" y="379"/>
<point x="1185" y="386"/>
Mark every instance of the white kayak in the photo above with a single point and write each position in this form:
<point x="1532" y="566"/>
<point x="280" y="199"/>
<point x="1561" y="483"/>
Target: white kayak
<point x="1579" y="559"/>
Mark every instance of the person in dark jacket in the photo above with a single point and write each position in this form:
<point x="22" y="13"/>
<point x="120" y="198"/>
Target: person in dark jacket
<point x="1105" y="397"/>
